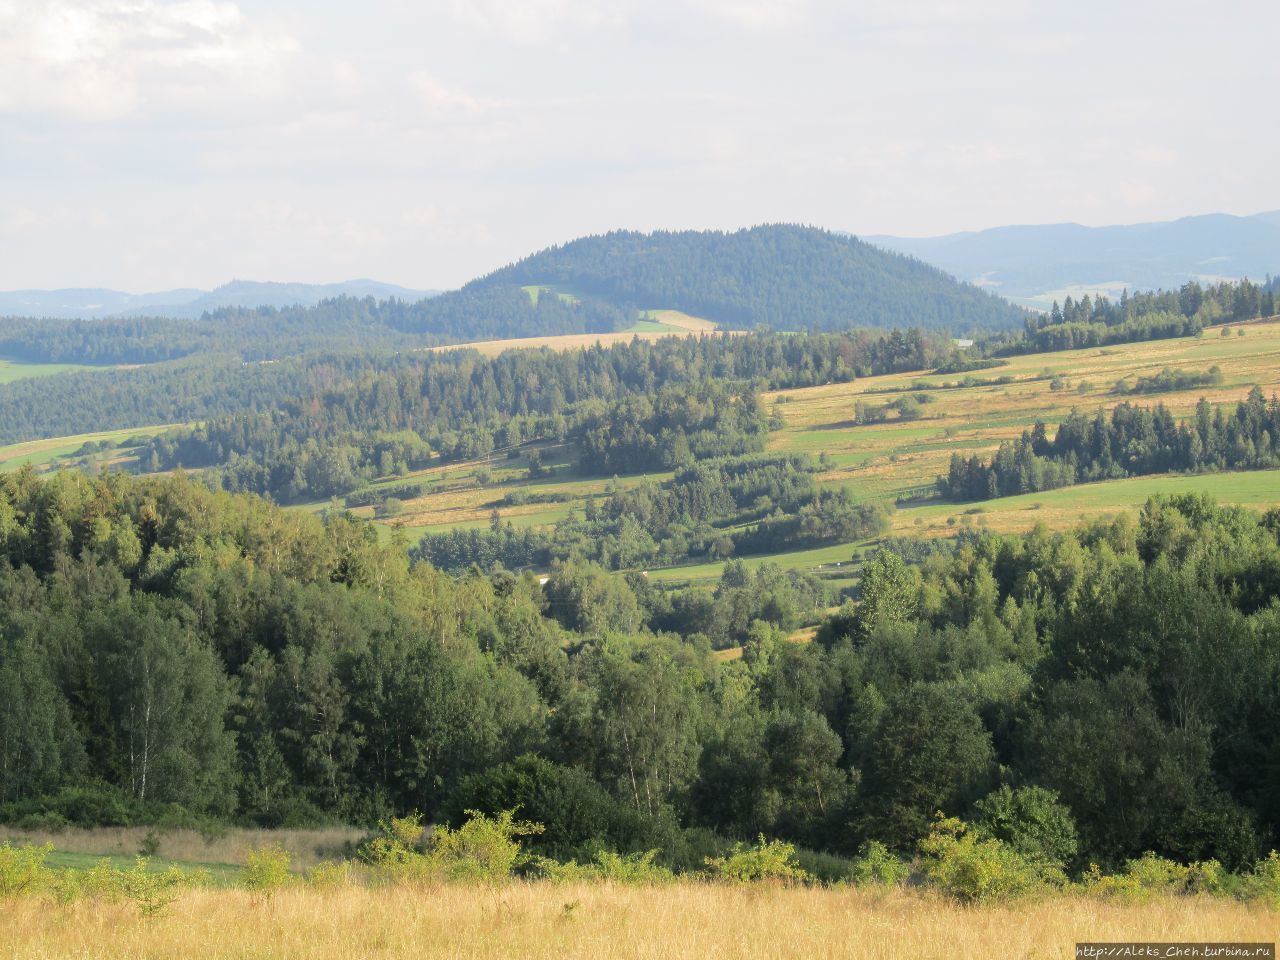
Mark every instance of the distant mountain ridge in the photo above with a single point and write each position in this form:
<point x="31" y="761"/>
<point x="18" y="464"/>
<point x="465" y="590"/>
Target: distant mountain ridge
<point x="95" y="303"/>
<point x="1033" y="264"/>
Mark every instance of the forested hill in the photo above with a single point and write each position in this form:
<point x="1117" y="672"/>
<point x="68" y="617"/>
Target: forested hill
<point x="782" y="276"/>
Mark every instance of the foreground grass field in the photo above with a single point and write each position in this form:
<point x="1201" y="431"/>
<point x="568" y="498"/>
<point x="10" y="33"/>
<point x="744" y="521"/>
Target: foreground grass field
<point x="543" y="920"/>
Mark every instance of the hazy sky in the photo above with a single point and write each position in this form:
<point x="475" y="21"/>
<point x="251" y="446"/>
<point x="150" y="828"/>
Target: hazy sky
<point x="148" y="144"/>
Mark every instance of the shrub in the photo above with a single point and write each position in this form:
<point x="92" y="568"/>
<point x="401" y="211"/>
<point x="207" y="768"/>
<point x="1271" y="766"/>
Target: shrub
<point x="152" y="892"/>
<point x="102" y="881"/>
<point x="768" y="860"/>
<point x="48" y="821"/>
<point x="22" y="869"/>
<point x="1031" y="821"/>
<point x="398" y="844"/>
<point x="89" y="806"/>
<point x="266" y="869"/>
<point x="635" y="868"/>
<point x="959" y="863"/>
<point x="483" y="849"/>
<point x="877" y="865"/>
<point x="1152" y="875"/>
<point x="1264" y="882"/>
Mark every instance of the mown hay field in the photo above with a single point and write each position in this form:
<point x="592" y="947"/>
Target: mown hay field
<point x="594" y="921"/>
<point x="654" y="325"/>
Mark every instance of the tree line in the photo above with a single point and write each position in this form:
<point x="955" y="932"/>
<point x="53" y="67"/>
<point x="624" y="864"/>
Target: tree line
<point x="1133" y="441"/>
<point x="1156" y="315"/>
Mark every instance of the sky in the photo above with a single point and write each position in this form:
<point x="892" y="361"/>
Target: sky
<point x="147" y="145"/>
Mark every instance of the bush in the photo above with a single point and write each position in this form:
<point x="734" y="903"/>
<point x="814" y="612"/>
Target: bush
<point x="767" y="861"/>
<point x="398" y="847"/>
<point x="91" y="806"/>
<point x="152" y="892"/>
<point x="1151" y="875"/>
<point x="22" y="869"/>
<point x="1264" y="882"/>
<point x="49" y="821"/>
<point x="266" y="869"/>
<point x="877" y="865"/>
<point x="635" y="868"/>
<point x="483" y="849"/>
<point x="959" y="863"/>
<point x="1032" y="822"/>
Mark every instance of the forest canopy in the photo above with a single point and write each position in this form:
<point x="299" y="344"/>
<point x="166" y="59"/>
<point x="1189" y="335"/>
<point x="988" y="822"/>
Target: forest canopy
<point x="172" y="651"/>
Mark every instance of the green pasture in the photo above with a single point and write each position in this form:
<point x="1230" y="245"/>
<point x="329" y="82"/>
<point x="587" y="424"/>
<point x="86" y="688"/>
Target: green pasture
<point x="11" y="370"/>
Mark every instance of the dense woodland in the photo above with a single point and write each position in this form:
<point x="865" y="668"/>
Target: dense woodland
<point x="172" y="652"/>
<point x="779" y="276"/>
<point x="1133" y="441"/>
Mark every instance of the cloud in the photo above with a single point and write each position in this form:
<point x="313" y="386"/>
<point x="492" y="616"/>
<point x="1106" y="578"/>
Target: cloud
<point x="445" y="100"/>
<point x="533" y="20"/>
<point x="755" y="14"/>
<point x="102" y="60"/>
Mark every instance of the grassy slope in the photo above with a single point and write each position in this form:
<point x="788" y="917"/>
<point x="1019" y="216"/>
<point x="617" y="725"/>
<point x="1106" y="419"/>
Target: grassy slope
<point x="56" y="450"/>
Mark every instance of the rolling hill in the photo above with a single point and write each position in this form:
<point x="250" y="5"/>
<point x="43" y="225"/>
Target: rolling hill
<point x="1034" y="264"/>
<point x="780" y="276"/>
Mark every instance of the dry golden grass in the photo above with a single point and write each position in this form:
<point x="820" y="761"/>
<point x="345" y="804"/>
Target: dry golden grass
<point x="681" y="324"/>
<point x="602" y="921"/>
<point x="674" y="318"/>
<point x="306" y="847"/>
